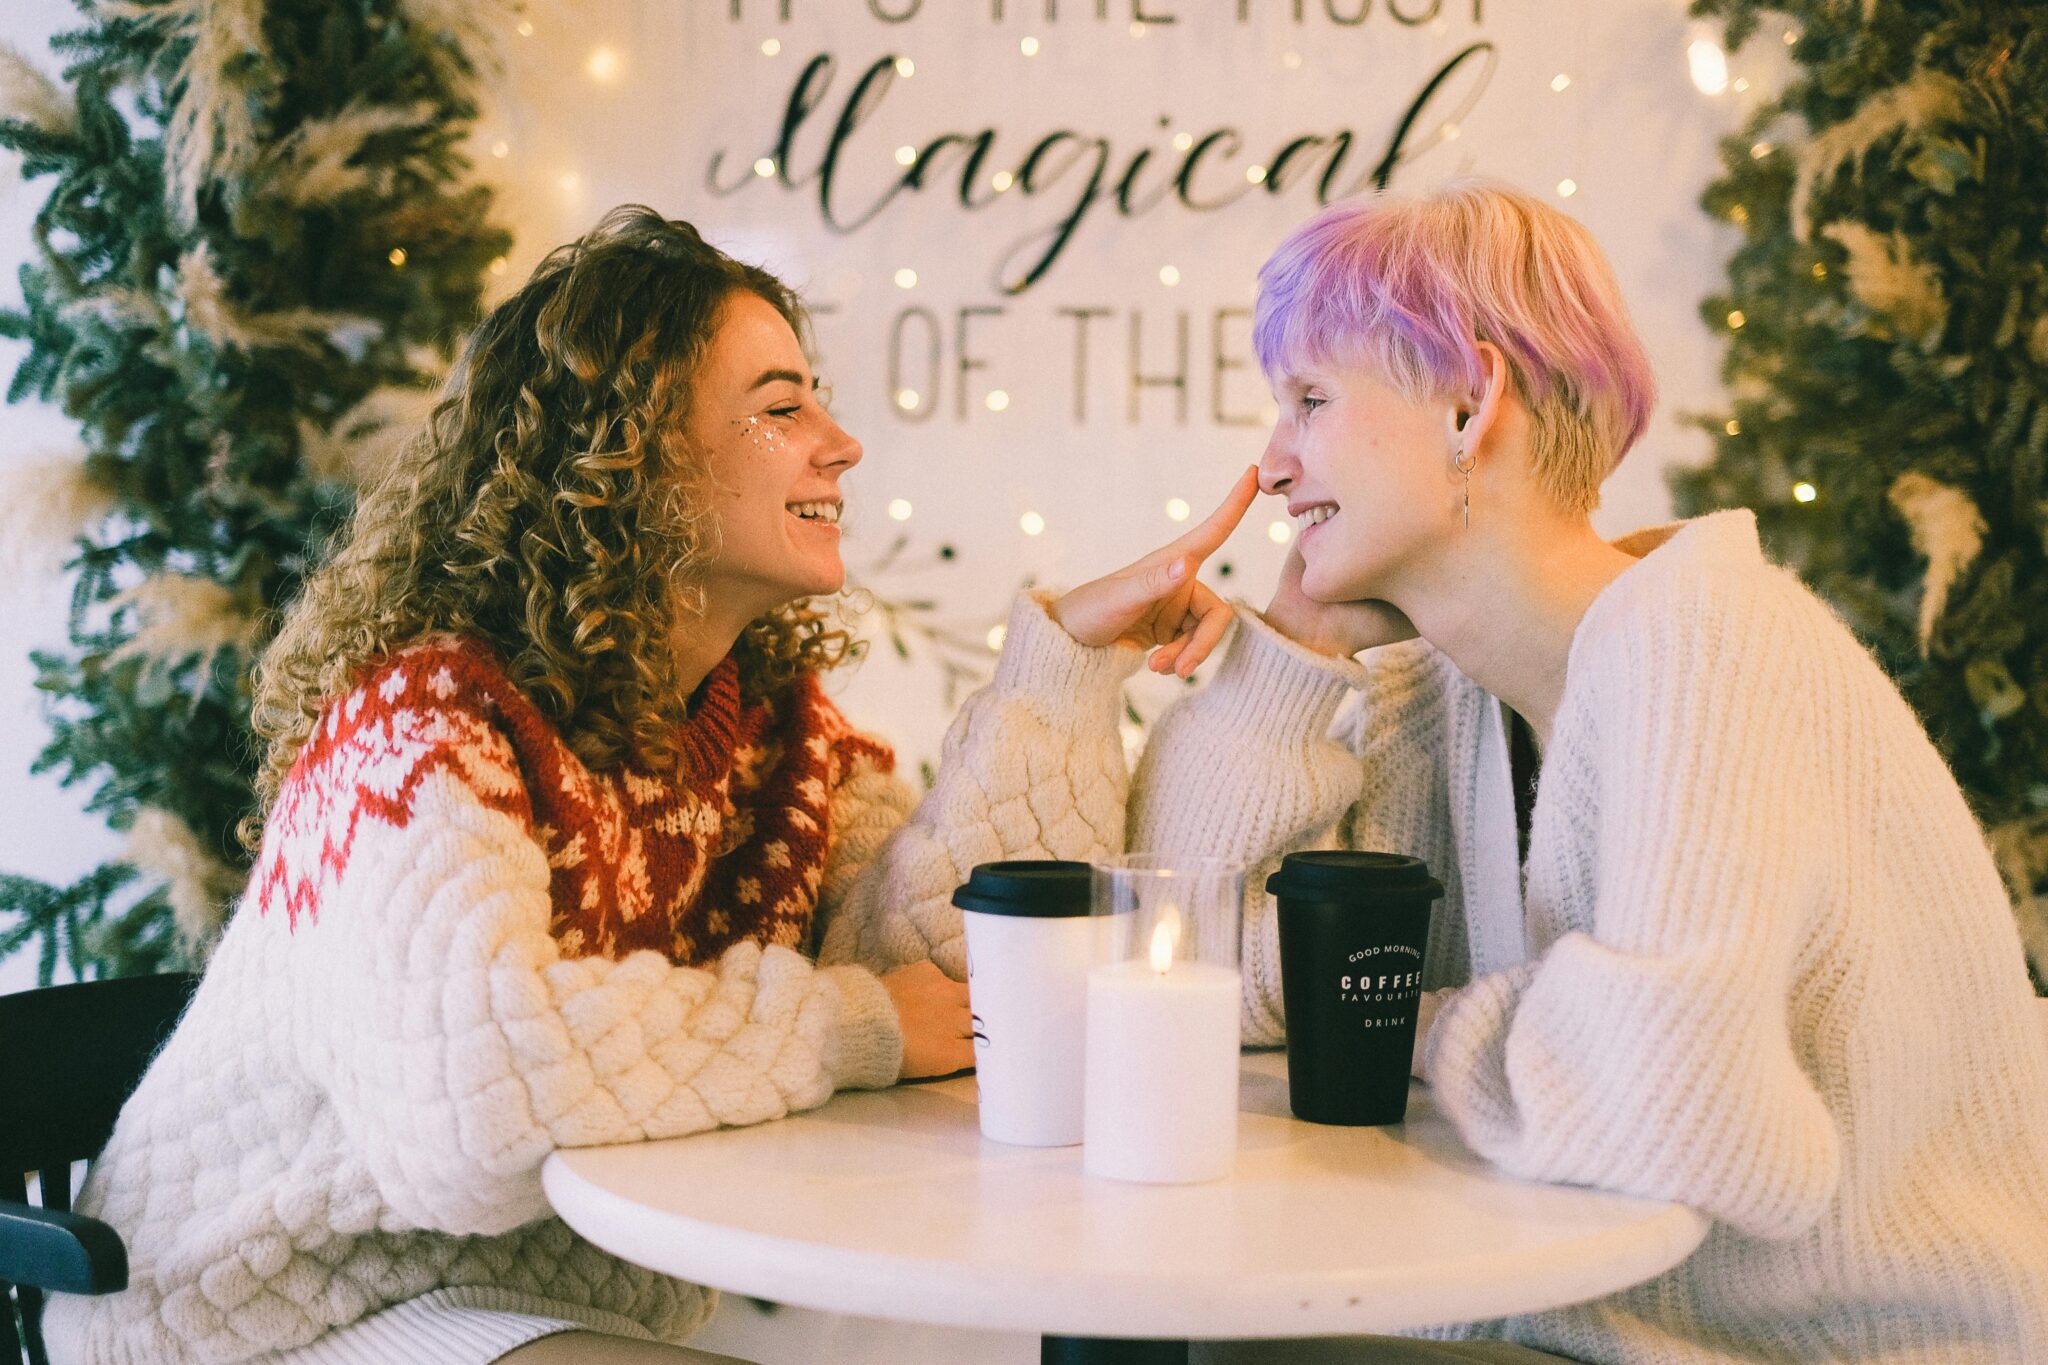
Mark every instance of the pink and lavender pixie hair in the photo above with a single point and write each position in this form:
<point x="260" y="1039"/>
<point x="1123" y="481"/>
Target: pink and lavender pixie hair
<point x="1406" y="284"/>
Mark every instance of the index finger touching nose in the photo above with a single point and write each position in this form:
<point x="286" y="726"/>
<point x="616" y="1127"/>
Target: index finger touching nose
<point x="1217" y="526"/>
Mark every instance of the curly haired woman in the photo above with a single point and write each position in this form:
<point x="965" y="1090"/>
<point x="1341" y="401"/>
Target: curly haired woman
<point x="556" y="818"/>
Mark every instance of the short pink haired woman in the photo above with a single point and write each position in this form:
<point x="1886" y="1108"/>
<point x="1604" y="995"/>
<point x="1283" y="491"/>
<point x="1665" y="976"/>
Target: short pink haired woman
<point x="1743" y="947"/>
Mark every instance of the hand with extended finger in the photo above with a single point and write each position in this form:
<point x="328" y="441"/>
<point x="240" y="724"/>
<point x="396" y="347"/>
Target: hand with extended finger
<point x="1338" y="629"/>
<point x="1156" y="601"/>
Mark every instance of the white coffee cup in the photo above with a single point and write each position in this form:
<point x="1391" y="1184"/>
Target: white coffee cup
<point x="1029" y="946"/>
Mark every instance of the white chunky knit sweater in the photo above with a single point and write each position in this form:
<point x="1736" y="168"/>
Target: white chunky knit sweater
<point x="1761" y="962"/>
<point x="355" y="1109"/>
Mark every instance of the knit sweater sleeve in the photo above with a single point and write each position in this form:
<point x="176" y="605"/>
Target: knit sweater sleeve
<point x="1652" y="1055"/>
<point x="457" y="1042"/>
<point x="1032" y="767"/>
<point x="1250" y="768"/>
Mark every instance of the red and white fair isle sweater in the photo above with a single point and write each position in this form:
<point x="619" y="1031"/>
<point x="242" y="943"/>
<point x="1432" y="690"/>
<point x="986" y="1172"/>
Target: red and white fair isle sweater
<point x="729" y="848"/>
<point x="462" y="949"/>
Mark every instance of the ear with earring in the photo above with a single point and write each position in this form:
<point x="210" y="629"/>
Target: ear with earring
<point x="1463" y="460"/>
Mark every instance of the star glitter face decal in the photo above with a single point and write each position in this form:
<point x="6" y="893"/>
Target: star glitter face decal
<point x="761" y="434"/>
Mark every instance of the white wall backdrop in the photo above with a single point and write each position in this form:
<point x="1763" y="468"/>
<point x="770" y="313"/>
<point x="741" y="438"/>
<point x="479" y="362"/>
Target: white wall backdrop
<point x="1030" y="408"/>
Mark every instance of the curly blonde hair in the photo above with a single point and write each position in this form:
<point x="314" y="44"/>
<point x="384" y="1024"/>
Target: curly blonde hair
<point x="552" y="510"/>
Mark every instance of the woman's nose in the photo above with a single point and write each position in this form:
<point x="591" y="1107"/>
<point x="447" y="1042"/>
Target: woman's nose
<point x="839" y="450"/>
<point x="1278" y="468"/>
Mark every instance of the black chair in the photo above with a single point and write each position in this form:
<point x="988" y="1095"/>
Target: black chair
<point x="69" y="1057"/>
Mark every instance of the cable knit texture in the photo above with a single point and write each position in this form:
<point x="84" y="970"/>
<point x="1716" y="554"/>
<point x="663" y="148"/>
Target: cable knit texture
<point x="1758" y="961"/>
<point x="461" y="950"/>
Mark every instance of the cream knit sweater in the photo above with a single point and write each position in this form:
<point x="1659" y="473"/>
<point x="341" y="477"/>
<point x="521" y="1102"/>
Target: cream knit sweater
<point x="1760" y="964"/>
<point x="355" y="1112"/>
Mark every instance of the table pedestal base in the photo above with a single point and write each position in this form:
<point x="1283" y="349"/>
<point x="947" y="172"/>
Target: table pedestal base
<point x="1110" y="1351"/>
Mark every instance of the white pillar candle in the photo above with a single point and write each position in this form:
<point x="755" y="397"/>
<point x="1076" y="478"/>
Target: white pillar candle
<point x="1162" y="1061"/>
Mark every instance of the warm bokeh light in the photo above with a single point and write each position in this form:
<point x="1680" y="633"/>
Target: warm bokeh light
<point x="1708" y="64"/>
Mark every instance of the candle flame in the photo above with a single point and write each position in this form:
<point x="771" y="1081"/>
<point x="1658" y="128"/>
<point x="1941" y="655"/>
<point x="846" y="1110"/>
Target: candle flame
<point x="1165" y="938"/>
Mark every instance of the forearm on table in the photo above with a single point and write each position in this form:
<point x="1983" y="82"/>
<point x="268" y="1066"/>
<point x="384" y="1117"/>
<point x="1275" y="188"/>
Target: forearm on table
<point x="532" y="1050"/>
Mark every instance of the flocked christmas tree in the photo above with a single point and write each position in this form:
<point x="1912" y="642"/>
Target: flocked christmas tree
<point x="259" y="248"/>
<point x="1887" y="359"/>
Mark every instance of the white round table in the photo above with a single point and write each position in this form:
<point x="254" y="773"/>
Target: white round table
<point x="891" y="1204"/>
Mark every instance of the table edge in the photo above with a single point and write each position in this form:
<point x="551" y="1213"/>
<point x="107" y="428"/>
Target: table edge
<point x="941" y="1293"/>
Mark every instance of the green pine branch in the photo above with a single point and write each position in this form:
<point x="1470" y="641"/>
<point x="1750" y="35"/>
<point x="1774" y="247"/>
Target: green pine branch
<point x="196" y="436"/>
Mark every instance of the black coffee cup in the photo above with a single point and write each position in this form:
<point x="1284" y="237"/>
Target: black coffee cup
<point x="1353" y="928"/>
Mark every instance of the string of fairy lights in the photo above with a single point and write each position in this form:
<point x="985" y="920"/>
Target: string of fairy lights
<point x="605" y="64"/>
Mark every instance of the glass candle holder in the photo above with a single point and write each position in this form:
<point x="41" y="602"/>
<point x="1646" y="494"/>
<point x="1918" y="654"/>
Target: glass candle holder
<point x="1162" y="1036"/>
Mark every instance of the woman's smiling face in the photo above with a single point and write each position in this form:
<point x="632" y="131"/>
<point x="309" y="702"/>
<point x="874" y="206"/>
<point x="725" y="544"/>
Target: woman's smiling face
<point x="1367" y="477"/>
<point x="775" y="457"/>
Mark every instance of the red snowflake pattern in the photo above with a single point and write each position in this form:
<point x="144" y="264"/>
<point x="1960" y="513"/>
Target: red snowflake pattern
<point x="730" y="847"/>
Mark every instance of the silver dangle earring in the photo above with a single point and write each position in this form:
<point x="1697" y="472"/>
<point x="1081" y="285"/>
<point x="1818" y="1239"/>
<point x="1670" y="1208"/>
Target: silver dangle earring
<point x="1465" y="462"/>
<point x="1463" y="459"/>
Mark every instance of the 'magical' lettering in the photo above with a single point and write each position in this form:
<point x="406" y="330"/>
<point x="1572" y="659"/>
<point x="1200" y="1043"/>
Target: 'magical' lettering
<point x="1082" y="172"/>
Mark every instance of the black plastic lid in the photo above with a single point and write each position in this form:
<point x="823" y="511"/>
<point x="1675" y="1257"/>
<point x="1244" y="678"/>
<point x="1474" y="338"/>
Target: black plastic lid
<point x="1042" y="888"/>
<point x="1340" y="872"/>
